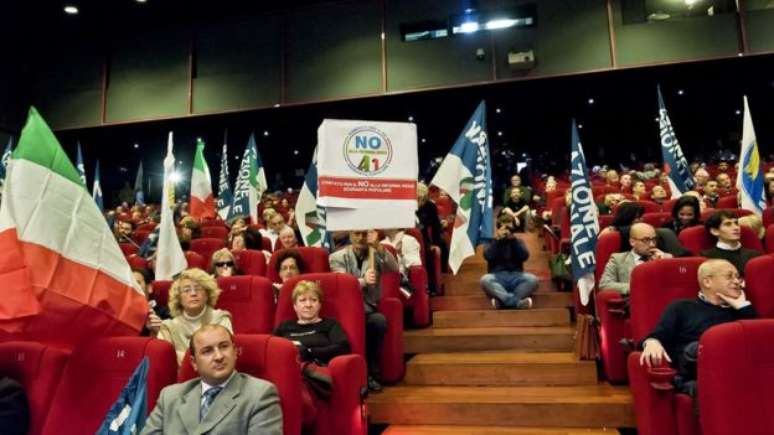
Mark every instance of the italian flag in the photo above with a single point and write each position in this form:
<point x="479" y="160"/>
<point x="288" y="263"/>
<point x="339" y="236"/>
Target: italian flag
<point x="64" y="277"/>
<point x="202" y="200"/>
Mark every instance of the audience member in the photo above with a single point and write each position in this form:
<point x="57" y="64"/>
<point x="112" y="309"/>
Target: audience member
<point x="658" y="195"/>
<point x="430" y="226"/>
<point x="156" y="313"/>
<point x="724" y="227"/>
<point x="675" y="337"/>
<point x="275" y="224"/>
<point x="354" y="260"/>
<point x="506" y="283"/>
<point x="618" y="270"/>
<point x="609" y="203"/>
<point x="701" y="176"/>
<point x="221" y="400"/>
<point x="724" y="183"/>
<point x="287" y="238"/>
<point x="516" y="208"/>
<point x="408" y="253"/>
<point x="626" y="183"/>
<point x="754" y="222"/>
<point x="192" y="300"/>
<point x="223" y="264"/>
<point x="525" y="193"/>
<point x="639" y="191"/>
<point x="711" y="195"/>
<point x="124" y="231"/>
<point x="685" y="213"/>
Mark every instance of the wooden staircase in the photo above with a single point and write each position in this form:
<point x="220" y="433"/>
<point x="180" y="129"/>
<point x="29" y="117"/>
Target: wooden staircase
<point x="483" y="371"/>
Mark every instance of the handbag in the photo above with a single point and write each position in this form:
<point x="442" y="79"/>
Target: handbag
<point x="560" y="271"/>
<point x="586" y="338"/>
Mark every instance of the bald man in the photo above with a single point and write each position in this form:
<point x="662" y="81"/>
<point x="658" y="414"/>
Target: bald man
<point x="675" y="338"/>
<point x="618" y="270"/>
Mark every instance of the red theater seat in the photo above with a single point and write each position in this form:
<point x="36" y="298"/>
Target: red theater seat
<point x="196" y="260"/>
<point x="150" y="226"/>
<point x="419" y="302"/>
<point x="270" y="358"/>
<point x="736" y="378"/>
<point x="38" y="368"/>
<point x="214" y="232"/>
<point x="728" y="201"/>
<point x="95" y="375"/>
<point x="739" y="212"/>
<point x="139" y="236"/>
<point x="250" y="262"/>
<point x="137" y="262"/>
<point x="769" y="239"/>
<point x="654" y="286"/>
<point x="697" y="239"/>
<point x="161" y="291"/>
<point x="315" y="261"/>
<point x="128" y="248"/>
<point x="342" y="300"/>
<point x="250" y="300"/>
<point x="768" y="217"/>
<point x="656" y="219"/>
<point x="206" y="246"/>
<point x="759" y="276"/>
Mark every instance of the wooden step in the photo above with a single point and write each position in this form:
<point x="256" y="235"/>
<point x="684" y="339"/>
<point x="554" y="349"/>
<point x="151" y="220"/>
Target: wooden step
<point x="480" y="302"/>
<point x="469" y="287"/>
<point x="499" y="368"/>
<point x="490" y="317"/>
<point x="576" y="406"/>
<point x="493" y="430"/>
<point x="527" y="339"/>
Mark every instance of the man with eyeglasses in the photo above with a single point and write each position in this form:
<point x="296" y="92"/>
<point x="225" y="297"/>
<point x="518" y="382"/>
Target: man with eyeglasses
<point x="724" y="226"/>
<point x="618" y="270"/>
<point x="675" y="338"/>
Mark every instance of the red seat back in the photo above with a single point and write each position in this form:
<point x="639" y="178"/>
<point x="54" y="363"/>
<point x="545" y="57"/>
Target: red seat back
<point x="656" y="219"/>
<point x="250" y="300"/>
<point x="214" y="232"/>
<point x="38" y="368"/>
<point x="415" y="233"/>
<point x="607" y="244"/>
<point x="266" y="244"/>
<point x="95" y="375"/>
<point x="250" y="262"/>
<point x="150" y="226"/>
<point x="697" y="239"/>
<point x="206" y="246"/>
<point x="342" y="300"/>
<point x="605" y="220"/>
<point x="315" y="261"/>
<point x="139" y="236"/>
<point x="736" y="378"/>
<point x="769" y="239"/>
<point x="669" y="204"/>
<point x="196" y="260"/>
<point x="759" y="276"/>
<point x="270" y="358"/>
<point x="161" y="292"/>
<point x="137" y="262"/>
<point x="655" y="284"/>
<point x="768" y="217"/>
<point x="739" y="212"/>
<point x="127" y="248"/>
<point x="728" y="201"/>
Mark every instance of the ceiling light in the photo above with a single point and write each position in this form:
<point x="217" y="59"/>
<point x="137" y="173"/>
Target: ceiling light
<point x="591" y="101"/>
<point x="680" y="92"/>
<point x="411" y="118"/>
<point x="469" y="27"/>
<point x="71" y="9"/>
<point x="266" y="132"/>
<point x="142" y="1"/>
<point x="500" y="23"/>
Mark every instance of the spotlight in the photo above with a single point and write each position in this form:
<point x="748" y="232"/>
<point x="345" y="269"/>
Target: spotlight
<point x="411" y="118"/>
<point x="71" y="9"/>
<point x="266" y="132"/>
<point x="591" y="101"/>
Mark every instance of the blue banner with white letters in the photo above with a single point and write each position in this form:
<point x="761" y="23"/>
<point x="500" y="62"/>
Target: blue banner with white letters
<point x="675" y="164"/>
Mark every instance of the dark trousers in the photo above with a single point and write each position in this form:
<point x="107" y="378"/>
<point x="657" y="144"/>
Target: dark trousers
<point x="376" y="327"/>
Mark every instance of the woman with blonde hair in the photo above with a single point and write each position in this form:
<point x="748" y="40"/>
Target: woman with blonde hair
<point x="192" y="300"/>
<point x="223" y="264"/>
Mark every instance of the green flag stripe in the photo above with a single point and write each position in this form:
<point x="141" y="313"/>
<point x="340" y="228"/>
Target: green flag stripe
<point x="199" y="159"/>
<point x="38" y="144"/>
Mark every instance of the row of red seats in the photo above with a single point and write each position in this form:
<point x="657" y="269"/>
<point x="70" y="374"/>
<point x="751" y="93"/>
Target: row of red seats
<point x="658" y="410"/>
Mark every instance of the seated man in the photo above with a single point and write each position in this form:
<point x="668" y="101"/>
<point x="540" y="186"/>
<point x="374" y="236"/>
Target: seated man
<point x="221" y="400"/>
<point x="275" y="223"/>
<point x="287" y="238"/>
<point x="124" y="233"/>
<point x="675" y="338"/>
<point x="724" y="225"/>
<point x="354" y="260"/>
<point x="711" y="193"/>
<point x="506" y="283"/>
<point x="618" y="270"/>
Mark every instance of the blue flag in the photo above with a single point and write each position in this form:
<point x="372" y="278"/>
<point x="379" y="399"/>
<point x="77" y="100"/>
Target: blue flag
<point x="224" y="189"/>
<point x="675" y="164"/>
<point x="139" y="195"/>
<point x="310" y="217"/>
<point x="80" y="166"/>
<point x="96" y="192"/>
<point x="245" y="202"/>
<point x="6" y="158"/>
<point x="749" y="179"/>
<point x="584" y="223"/>
<point x="466" y="175"/>
<point x="127" y="415"/>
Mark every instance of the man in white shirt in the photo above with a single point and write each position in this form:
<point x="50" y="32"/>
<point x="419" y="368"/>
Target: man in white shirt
<point x="221" y="400"/>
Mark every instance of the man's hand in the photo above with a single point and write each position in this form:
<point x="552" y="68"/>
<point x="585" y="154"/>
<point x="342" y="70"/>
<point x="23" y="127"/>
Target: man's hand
<point x="653" y="353"/>
<point x="658" y="254"/>
<point x="153" y="323"/>
<point x="370" y="277"/>
<point x="502" y="233"/>
<point x="737" y="303"/>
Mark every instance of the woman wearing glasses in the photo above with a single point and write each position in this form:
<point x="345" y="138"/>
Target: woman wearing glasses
<point x="223" y="264"/>
<point x="192" y="299"/>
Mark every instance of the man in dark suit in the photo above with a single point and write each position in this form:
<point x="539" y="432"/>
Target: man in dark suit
<point x="221" y="400"/>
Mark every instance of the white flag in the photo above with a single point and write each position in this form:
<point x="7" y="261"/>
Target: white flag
<point x="170" y="259"/>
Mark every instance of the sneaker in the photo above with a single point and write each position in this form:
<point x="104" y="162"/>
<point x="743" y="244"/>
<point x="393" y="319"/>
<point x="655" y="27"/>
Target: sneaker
<point x="374" y="386"/>
<point x="524" y="304"/>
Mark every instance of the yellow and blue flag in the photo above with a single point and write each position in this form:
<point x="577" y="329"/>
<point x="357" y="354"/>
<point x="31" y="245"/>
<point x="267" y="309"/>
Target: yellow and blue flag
<point x="749" y="179"/>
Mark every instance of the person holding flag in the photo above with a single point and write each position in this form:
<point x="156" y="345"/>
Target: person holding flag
<point x="749" y="179"/>
<point x="170" y="259"/>
<point x="202" y="201"/>
<point x="310" y="218"/>
<point x="675" y="165"/>
<point x="466" y="175"/>
<point x="65" y="280"/>
<point x="224" y="189"/>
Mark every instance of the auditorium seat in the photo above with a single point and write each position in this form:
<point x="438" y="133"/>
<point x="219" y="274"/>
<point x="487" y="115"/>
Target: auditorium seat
<point x="738" y="212"/>
<point x="759" y="276"/>
<point x="315" y="261"/>
<point x="768" y="217"/>
<point x="250" y="262"/>
<point x="206" y="246"/>
<point x="95" y="375"/>
<point x="39" y="369"/>
<point x="139" y="236"/>
<point x="266" y="244"/>
<point x="728" y="201"/>
<point x="769" y="239"/>
<point x="342" y="301"/>
<point x="654" y="286"/>
<point x="649" y="206"/>
<point x="136" y="262"/>
<point x="736" y="378"/>
<point x="419" y="302"/>
<point x="270" y="358"/>
<point x="250" y="300"/>
<point x="194" y="259"/>
<point x="128" y="248"/>
<point x="214" y="232"/>
<point x="605" y="220"/>
<point x="435" y="257"/>
<point x="161" y="291"/>
<point x="697" y="239"/>
<point x="669" y="204"/>
<point x="150" y="226"/>
<point x="656" y="220"/>
<point x="610" y="309"/>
